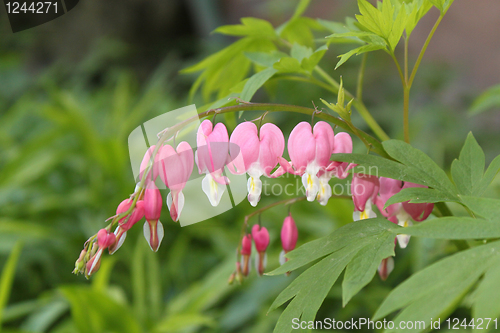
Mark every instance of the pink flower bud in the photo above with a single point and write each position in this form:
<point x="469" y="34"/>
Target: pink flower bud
<point x="260" y="237"/>
<point x="246" y="251"/>
<point x="152" y="202"/>
<point x="105" y="239"/>
<point x="136" y="215"/>
<point x="246" y="245"/>
<point x="289" y="234"/>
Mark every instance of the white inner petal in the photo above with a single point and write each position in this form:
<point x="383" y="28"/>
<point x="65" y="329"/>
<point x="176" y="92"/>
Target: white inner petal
<point x="254" y="186"/>
<point x="212" y="189"/>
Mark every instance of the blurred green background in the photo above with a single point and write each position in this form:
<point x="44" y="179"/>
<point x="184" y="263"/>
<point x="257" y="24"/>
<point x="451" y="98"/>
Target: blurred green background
<point x="73" y="89"/>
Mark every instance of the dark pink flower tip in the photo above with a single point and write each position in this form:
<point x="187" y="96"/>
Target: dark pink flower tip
<point x="260" y="237"/>
<point x="289" y="234"/>
<point x="136" y="215"/>
<point x="363" y="187"/>
<point x="246" y="245"/>
<point x="417" y="211"/>
<point x="152" y="202"/>
<point x="105" y="239"/>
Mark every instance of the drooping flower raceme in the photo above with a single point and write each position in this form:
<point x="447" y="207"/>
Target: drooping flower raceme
<point x="256" y="153"/>
<point x="212" y="155"/>
<point x="260" y="237"/>
<point x="175" y="168"/>
<point x="310" y="150"/>
<point x="364" y="189"/>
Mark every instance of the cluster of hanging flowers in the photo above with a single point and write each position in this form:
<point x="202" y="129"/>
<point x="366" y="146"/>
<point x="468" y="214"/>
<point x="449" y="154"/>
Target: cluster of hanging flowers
<point x="256" y="152"/>
<point x="368" y="190"/>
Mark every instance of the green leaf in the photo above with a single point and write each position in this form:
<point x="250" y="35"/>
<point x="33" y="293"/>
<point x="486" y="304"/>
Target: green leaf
<point x="419" y="195"/>
<point x="416" y="9"/>
<point x="452" y="227"/>
<point x="96" y="311"/>
<point x="414" y="166"/>
<point x="298" y="30"/>
<point x="360" y="50"/>
<point x="300" y="52"/>
<point x="338" y="250"/>
<point x="485" y="207"/>
<point x="468" y="170"/>
<point x="340" y="238"/>
<point x="487" y="100"/>
<point x="288" y="65"/>
<point x="442" y="5"/>
<point x="250" y="26"/>
<point x="490" y="173"/>
<point x="309" y="63"/>
<point x="422" y="166"/>
<point x="225" y="69"/>
<point x="371" y="18"/>
<point x="301" y="8"/>
<point x="397" y="29"/>
<point x="364" y="265"/>
<point x="485" y="304"/>
<point x="310" y="289"/>
<point x="255" y="82"/>
<point x="184" y="321"/>
<point x="266" y="59"/>
<point x="7" y="277"/>
<point x="436" y="290"/>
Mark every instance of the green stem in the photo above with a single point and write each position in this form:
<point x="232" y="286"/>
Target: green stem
<point x="406" y="113"/>
<point x="400" y="72"/>
<point x="361" y="77"/>
<point x="422" y="51"/>
<point x="358" y="104"/>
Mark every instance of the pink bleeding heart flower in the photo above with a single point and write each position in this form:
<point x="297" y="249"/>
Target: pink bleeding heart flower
<point x="289" y="236"/>
<point x="175" y="168"/>
<point x="256" y="153"/>
<point x="364" y="189"/>
<point x="246" y="252"/>
<point x="153" y="228"/>
<point x="126" y="222"/>
<point x="212" y="155"/>
<point x="409" y="211"/>
<point x="418" y="211"/>
<point x="104" y="240"/>
<point x="310" y="151"/>
<point x="342" y="143"/>
<point x="260" y="237"/>
<point x="388" y="188"/>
